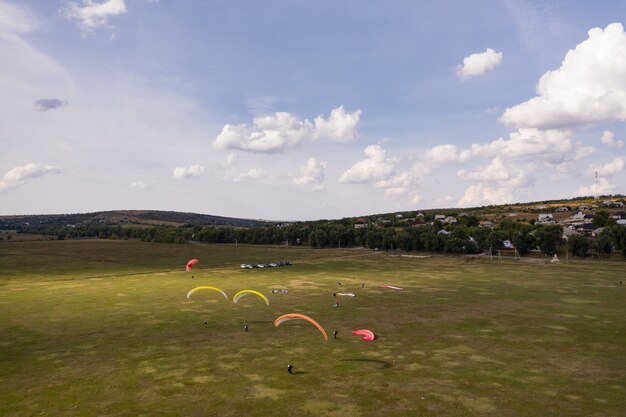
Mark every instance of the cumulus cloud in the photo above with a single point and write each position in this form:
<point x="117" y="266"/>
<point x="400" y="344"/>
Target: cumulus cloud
<point x="479" y="64"/>
<point x="312" y="173"/>
<point x="20" y="174"/>
<point x="193" y="171"/>
<point x="497" y="170"/>
<point x="46" y="104"/>
<point x="91" y="14"/>
<point x="252" y="175"/>
<point x="340" y="125"/>
<point x="530" y="144"/>
<point x="608" y="138"/>
<point x="608" y="169"/>
<point x="278" y="132"/>
<point x="479" y="194"/>
<point x="376" y="167"/>
<point x="603" y="187"/>
<point x="514" y="163"/>
<point x="590" y="86"/>
<point x="440" y="154"/>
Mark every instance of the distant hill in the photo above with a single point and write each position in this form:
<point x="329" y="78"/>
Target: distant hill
<point x="141" y="218"/>
<point x="149" y="218"/>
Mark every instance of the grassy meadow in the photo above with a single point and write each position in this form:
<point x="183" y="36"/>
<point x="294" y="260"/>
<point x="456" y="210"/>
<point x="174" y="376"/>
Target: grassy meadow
<point x="104" y="328"/>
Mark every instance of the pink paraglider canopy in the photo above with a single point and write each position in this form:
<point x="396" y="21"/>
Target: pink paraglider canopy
<point x="367" y="334"/>
<point x="191" y="263"/>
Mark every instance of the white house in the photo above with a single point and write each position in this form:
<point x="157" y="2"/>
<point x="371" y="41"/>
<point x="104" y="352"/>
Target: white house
<point x="562" y="209"/>
<point x="545" y="218"/>
<point x="440" y="217"/>
<point x="450" y="220"/>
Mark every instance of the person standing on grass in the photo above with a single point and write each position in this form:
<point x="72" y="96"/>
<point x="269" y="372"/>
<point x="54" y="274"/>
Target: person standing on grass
<point x="335" y="334"/>
<point x="245" y="327"/>
<point x="290" y="368"/>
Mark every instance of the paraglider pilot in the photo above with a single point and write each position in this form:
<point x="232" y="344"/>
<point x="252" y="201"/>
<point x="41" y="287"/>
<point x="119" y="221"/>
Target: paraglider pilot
<point x="245" y="327"/>
<point x="290" y="368"/>
<point x="335" y="334"/>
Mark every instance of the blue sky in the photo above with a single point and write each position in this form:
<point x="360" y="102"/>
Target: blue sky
<point x="296" y="110"/>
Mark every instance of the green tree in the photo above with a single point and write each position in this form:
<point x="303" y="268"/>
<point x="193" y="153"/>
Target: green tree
<point x="578" y="245"/>
<point x="549" y="238"/>
<point x="523" y="241"/>
<point x="601" y="218"/>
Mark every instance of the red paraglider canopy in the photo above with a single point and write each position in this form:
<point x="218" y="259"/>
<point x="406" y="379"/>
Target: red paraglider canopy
<point x="367" y="334"/>
<point x="191" y="263"/>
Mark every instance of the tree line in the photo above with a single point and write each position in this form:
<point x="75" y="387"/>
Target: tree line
<point x="464" y="237"/>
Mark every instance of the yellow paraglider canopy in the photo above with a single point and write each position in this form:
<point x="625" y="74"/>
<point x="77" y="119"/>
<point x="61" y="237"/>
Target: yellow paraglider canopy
<point x="243" y="293"/>
<point x="204" y="287"/>
<point x="297" y="316"/>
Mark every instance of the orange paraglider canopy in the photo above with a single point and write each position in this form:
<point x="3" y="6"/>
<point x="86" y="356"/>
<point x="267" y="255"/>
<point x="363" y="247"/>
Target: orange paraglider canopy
<point x="191" y="263"/>
<point x="296" y="316"/>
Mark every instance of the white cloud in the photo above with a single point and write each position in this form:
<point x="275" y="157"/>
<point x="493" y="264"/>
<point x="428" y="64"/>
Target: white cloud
<point x="20" y="174"/>
<point x="231" y="159"/>
<point x="480" y="194"/>
<point x="479" y="64"/>
<point x="14" y="19"/>
<point x="252" y="175"/>
<point x="608" y="169"/>
<point x="608" y="138"/>
<point x="603" y="187"/>
<point x="312" y="173"/>
<point x="440" y="154"/>
<point x="517" y="162"/>
<point x="590" y="86"/>
<point x="193" y="171"/>
<point x="339" y="126"/>
<point x="530" y="144"/>
<point x="276" y="133"/>
<point x="495" y="171"/>
<point x="138" y="184"/>
<point x="91" y="14"/>
<point x="29" y="73"/>
<point x="376" y="167"/>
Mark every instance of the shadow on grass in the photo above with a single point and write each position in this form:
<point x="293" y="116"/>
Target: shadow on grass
<point x="384" y="364"/>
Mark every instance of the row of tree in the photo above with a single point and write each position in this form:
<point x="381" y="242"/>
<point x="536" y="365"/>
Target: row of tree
<point x="459" y="238"/>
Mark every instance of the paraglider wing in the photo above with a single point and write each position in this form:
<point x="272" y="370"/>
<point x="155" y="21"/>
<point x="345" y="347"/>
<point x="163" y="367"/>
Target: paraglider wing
<point x="191" y="263"/>
<point x="243" y="293"/>
<point x="296" y="316"/>
<point x="204" y="287"/>
<point x="367" y="334"/>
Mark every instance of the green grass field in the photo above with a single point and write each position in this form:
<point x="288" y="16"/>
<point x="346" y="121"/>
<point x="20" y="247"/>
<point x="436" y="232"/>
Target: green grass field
<point x="104" y="328"/>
